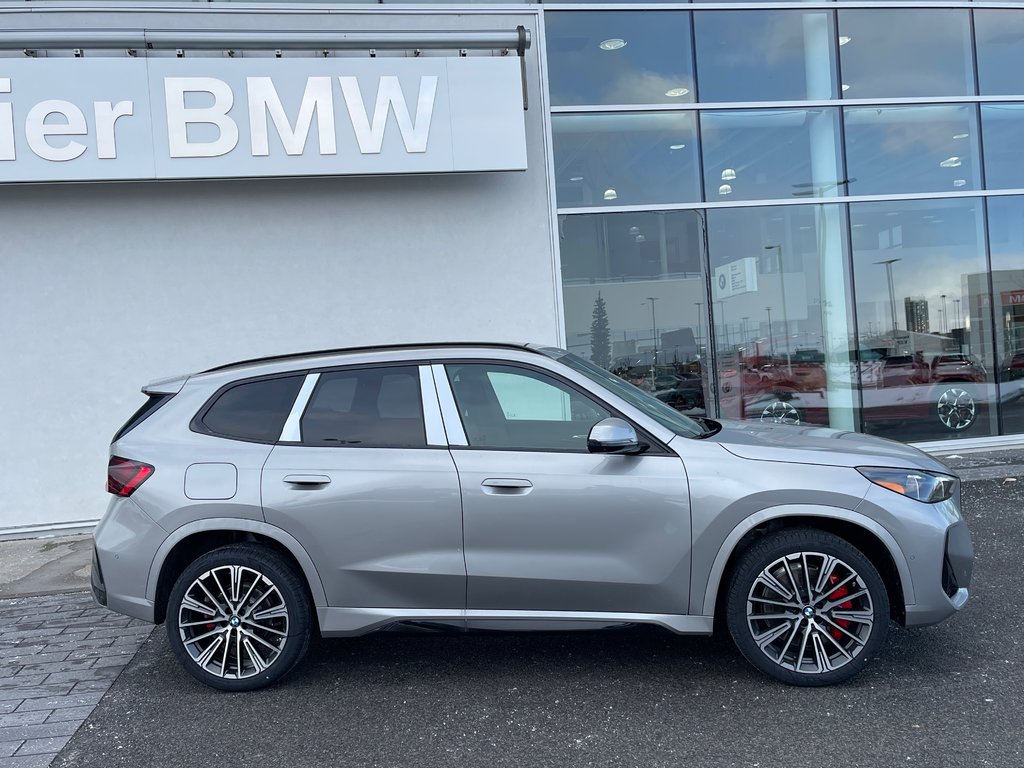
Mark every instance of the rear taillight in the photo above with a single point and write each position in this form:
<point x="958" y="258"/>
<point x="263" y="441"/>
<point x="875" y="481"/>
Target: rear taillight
<point x="124" y="476"/>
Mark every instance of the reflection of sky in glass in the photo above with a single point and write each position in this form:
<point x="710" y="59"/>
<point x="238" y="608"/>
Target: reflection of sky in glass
<point x="764" y="55"/>
<point x="787" y="243"/>
<point x="891" y="150"/>
<point x="625" y="159"/>
<point x="770" y="153"/>
<point x="938" y="244"/>
<point x="647" y="57"/>
<point x="1003" y="126"/>
<point x="1000" y="40"/>
<point x="905" y="53"/>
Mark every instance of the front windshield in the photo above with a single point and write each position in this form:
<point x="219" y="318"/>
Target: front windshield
<point x="651" y="406"/>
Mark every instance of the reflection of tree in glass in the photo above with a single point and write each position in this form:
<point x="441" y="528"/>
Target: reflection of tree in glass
<point x="600" y="337"/>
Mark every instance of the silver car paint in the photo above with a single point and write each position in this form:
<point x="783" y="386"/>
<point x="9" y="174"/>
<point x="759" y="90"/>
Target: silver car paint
<point x="727" y="493"/>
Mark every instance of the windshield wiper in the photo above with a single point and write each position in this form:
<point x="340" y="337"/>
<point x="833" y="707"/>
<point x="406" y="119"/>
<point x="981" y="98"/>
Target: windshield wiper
<point x="711" y="427"/>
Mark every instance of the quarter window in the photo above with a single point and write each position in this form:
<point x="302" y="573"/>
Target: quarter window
<point x="254" y="410"/>
<point x="515" y="408"/>
<point x="366" y="407"/>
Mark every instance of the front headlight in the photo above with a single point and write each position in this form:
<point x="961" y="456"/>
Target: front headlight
<point x="929" y="487"/>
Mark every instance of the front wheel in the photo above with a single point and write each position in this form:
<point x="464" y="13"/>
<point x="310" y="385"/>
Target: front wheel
<point x="238" y="618"/>
<point x="807" y="607"/>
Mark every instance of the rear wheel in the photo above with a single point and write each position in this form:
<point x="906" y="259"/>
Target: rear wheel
<point x="238" y="618"/>
<point x="807" y="607"/>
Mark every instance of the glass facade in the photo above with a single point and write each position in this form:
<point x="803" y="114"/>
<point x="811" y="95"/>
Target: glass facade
<point x="807" y="214"/>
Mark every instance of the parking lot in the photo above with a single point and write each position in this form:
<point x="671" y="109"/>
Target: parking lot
<point x="940" y="696"/>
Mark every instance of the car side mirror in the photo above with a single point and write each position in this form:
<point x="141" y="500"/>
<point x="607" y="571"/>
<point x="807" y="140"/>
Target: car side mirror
<point x="613" y="435"/>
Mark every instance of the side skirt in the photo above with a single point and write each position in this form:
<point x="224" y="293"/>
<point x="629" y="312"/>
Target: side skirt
<point x="342" y="622"/>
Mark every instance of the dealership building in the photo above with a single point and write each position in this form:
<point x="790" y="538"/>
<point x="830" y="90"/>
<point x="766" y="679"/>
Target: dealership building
<point x="799" y="211"/>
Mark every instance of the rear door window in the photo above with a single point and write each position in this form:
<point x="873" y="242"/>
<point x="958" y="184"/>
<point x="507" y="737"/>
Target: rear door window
<point x="253" y="410"/>
<point x="368" y="408"/>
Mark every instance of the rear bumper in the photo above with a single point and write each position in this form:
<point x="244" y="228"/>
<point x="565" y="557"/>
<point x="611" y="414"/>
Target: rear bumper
<point x="126" y="541"/>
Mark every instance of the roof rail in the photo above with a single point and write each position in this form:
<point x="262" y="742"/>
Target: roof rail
<point x="374" y="348"/>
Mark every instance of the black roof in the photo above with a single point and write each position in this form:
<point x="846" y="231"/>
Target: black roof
<point x="374" y="348"/>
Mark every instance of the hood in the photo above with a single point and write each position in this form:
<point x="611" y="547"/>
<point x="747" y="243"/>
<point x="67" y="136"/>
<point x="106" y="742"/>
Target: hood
<point x="810" y="444"/>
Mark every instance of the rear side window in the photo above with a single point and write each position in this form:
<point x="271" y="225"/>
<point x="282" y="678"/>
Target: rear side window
<point x="366" y="407"/>
<point x="254" y="410"/>
<point x="147" y="409"/>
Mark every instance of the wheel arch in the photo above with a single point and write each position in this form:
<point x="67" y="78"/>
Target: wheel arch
<point x="194" y="539"/>
<point x="877" y="544"/>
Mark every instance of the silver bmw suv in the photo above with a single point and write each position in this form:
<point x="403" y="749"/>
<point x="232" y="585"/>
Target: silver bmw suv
<point x="508" y="487"/>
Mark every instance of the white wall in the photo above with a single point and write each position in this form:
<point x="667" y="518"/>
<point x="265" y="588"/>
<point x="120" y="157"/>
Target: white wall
<point x="106" y="287"/>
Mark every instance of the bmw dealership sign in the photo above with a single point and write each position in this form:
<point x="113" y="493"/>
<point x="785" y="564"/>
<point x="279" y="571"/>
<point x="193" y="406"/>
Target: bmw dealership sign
<point x="68" y="119"/>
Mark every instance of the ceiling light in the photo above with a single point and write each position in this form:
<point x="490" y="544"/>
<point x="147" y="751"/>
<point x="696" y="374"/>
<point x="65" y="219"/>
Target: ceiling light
<point x="844" y="39"/>
<point x="677" y="92"/>
<point x="959" y="135"/>
<point x="634" y="230"/>
<point x="610" y="194"/>
<point x="725" y="189"/>
<point x="951" y="162"/>
<point x="845" y="87"/>
<point x="640" y="238"/>
<point x="612" y="44"/>
<point x="575" y="178"/>
<point x="728" y="174"/>
<point x="677" y="146"/>
<point x="959" y="182"/>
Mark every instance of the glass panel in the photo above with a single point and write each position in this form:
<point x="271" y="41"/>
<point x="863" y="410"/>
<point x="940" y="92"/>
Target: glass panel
<point x="901" y="53"/>
<point x="616" y="57"/>
<point x="625" y="159"/>
<point x="508" y="407"/>
<point x="1000" y="41"/>
<point x="256" y="410"/>
<point x="782" y="314"/>
<point x="921" y="282"/>
<point x="765" y="55"/>
<point x="1006" y="238"/>
<point x="770" y="154"/>
<point x="1003" y="125"/>
<point x="891" y="150"/>
<point x="367" y="407"/>
<point x="635" y="299"/>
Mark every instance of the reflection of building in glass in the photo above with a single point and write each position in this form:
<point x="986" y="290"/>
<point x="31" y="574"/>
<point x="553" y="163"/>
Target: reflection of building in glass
<point x="917" y="314"/>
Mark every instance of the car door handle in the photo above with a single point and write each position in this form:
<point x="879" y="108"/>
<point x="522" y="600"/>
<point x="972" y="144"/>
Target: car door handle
<point x="307" y="480"/>
<point x="506" y="485"/>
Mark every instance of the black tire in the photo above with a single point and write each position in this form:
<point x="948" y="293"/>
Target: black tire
<point x="837" y="638"/>
<point x="277" y="634"/>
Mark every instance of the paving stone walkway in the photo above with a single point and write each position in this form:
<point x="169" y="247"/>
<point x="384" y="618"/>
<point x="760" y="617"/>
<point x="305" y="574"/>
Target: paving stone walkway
<point x="58" y="656"/>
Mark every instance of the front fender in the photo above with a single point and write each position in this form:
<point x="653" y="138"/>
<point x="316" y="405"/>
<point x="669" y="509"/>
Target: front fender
<point x="283" y="538"/>
<point x="710" y="596"/>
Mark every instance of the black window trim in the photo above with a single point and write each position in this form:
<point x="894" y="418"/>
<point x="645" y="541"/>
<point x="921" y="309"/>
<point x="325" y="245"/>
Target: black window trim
<point x="658" y="447"/>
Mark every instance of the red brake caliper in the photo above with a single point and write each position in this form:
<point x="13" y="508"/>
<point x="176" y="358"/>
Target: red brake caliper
<point x="843" y="591"/>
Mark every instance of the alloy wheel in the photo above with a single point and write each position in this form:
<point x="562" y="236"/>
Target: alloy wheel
<point x="956" y="409"/>
<point x="780" y="412"/>
<point x="810" y="613"/>
<point x="233" y="622"/>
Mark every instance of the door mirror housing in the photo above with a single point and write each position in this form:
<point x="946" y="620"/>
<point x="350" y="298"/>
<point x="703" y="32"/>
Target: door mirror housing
<point x="613" y="435"/>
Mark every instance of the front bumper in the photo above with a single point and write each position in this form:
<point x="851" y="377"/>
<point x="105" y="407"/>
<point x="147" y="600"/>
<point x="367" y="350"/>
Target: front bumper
<point x="957" y="565"/>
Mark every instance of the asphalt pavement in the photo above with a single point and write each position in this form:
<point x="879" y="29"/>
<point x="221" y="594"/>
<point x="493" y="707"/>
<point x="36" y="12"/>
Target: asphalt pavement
<point x="940" y="696"/>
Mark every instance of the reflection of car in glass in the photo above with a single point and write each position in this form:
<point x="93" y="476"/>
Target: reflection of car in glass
<point x="949" y="388"/>
<point x="508" y="487"/>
